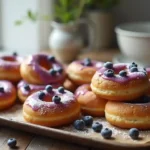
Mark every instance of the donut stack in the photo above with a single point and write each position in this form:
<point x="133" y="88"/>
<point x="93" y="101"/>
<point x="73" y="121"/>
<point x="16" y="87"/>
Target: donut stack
<point x="37" y="71"/>
<point x="9" y="76"/>
<point x="124" y="86"/>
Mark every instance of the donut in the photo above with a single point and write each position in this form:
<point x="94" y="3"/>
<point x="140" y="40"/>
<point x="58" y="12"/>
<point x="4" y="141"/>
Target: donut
<point x="90" y="103"/>
<point x="120" y="82"/>
<point x="7" y="94"/>
<point x="69" y="85"/>
<point x="82" y="71"/>
<point x="51" y="107"/>
<point x="25" y="89"/>
<point x="135" y="114"/>
<point x="10" y="67"/>
<point x="42" y="69"/>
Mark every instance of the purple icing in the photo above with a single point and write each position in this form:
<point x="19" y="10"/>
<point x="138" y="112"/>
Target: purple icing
<point x="117" y="78"/>
<point x="44" y="73"/>
<point x="36" y="104"/>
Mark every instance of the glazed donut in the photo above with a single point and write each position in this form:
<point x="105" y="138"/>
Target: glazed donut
<point x="82" y="71"/>
<point x="25" y="89"/>
<point x="69" y="85"/>
<point x="51" y="107"/>
<point x="129" y="114"/>
<point x="42" y="69"/>
<point x="120" y="82"/>
<point x="90" y="103"/>
<point x="10" y="68"/>
<point x="7" y="94"/>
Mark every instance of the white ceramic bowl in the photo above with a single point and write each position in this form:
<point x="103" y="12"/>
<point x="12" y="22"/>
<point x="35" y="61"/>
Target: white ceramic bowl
<point x="134" y="40"/>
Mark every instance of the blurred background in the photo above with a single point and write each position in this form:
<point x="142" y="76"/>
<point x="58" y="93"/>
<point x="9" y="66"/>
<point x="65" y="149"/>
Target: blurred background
<point x="21" y="31"/>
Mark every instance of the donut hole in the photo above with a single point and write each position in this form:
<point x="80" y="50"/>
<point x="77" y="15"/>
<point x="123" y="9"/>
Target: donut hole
<point x="45" y="64"/>
<point x="47" y="98"/>
<point x="9" y="58"/>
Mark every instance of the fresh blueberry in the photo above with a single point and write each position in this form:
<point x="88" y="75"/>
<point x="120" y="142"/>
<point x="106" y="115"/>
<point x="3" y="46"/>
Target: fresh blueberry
<point x="60" y="70"/>
<point x="134" y="69"/>
<point x="87" y="62"/>
<point x="26" y="87"/>
<point x="1" y="89"/>
<point x="49" y="88"/>
<point x="15" y="54"/>
<point x="134" y="133"/>
<point x="133" y="65"/>
<point x="12" y="142"/>
<point x="97" y="127"/>
<point x="56" y="99"/>
<point x="106" y="133"/>
<point x="79" y="124"/>
<point x="123" y="73"/>
<point x="51" y="58"/>
<point x="61" y="89"/>
<point x="108" y="65"/>
<point x="146" y="99"/>
<point x="41" y="95"/>
<point x="109" y="73"/>
<point x="88" y="120"/>
<point x="52" y="72"/>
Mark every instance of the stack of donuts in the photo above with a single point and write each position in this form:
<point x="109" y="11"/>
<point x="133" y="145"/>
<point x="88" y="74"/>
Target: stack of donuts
<point x="116" y="91"/>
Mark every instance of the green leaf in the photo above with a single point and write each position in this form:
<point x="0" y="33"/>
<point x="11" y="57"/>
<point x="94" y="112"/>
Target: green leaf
<point x="18" y="22"/>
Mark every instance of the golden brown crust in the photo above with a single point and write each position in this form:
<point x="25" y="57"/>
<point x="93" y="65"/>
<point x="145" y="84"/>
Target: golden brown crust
<point x="128" y="115"/>
<point x="119" y="91"/>
<point x="90" y="103"/>
<point x="79" y="74"/>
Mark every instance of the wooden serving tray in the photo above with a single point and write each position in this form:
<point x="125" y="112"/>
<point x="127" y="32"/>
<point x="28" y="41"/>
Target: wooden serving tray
<point x="120" y="138"/>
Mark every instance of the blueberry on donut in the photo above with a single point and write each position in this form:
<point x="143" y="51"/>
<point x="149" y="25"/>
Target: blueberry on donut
<point x="120" y="83"/>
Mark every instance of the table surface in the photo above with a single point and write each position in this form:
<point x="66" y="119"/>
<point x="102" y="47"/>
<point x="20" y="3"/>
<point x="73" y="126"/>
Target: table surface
<point x="31" y="141"/>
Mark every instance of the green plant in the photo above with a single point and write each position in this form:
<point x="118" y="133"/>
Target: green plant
<point x="101" y="4"/>
<point x="65" y="11"/>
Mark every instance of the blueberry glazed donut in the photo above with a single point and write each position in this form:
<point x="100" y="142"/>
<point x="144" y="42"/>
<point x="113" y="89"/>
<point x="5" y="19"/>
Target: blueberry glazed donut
<point x="42" y="69"/>
<point x="7" y="94"/>
<point x="90" y="103"/>
<point x="10" y="67"/>
<point x="51" y="107"/>
<point x="120" y="82"/>
<point x="135" y="114"/>
<point x="82" y="71"/>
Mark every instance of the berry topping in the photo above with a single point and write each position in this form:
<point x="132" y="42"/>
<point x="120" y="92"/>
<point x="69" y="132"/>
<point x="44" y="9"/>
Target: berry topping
<point x="49" y="88"/>
<point x="87" y="62"/>
<point x="41" y="95"/>
<point x="133" y="65"/>
<point x="106" y="133"/>
<point x="123" y="73"/>
<point x="61" y="89"/>
<point x="56" y="99"/>
<point x="1" y="89"/>
<point x="12" y="142"/>
<point x="79" y="124"/>
<point x="15" y="54"/>
<point x="146" y="99"/>
<point x="109" y="73"/>
<point x="51" y="58"/>
<point x="97" y="127"/>
<point x="134" y="133"/>
<point x="88" y="120"/>
<point x="60" y="70"/>
<point x="52" y="72"/>
<point x="108" y="65"/>
<point x="26" y="87"/>
<point x="134" y="69"/>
